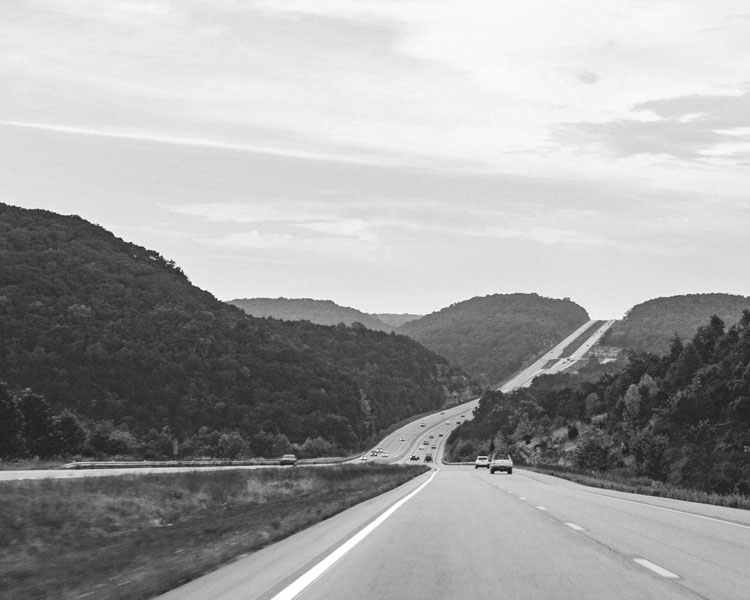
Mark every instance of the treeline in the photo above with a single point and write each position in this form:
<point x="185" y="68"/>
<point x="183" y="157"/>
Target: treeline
<point x="493" y="336"/>
<point x="29" y="429"/>
<point x="681" y="418"/>
<point x="649" y="327"/>
<point x="116" y="333"/>
<point x="322" y="312"/>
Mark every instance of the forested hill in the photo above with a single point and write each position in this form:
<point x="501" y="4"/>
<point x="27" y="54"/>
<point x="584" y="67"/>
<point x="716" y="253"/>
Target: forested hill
<point x="396" y="320"/>
<point x="493" y="336"/>
<point x="651" y="326"/>
<point x="115" y="332"/>
<point x="322" y="312"/>
<point x="682" y="418"/>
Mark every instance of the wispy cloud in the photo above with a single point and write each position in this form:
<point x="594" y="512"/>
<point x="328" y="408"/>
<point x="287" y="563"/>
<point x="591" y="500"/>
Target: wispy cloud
<point x="395" y="141"/>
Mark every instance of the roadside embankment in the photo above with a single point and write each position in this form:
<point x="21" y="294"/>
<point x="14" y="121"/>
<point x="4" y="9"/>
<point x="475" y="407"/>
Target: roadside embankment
<point x="133" y="537"/>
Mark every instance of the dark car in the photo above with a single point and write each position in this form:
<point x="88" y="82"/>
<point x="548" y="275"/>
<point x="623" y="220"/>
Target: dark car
<point x="288" y="459"/>
<point x="414" y="457"/>
<point x="428" y="458"/>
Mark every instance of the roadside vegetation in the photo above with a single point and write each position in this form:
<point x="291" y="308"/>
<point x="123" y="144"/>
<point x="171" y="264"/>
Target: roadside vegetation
<point x="133" y="537"/>
<point x="642" y="485"/>
<point x="649" y="326"/>
<point x="677" y="423"/>
<point x="111" y="337"/>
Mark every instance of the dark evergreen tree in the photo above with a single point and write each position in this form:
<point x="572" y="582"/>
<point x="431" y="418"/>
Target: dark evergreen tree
<point x="70" y="433"/>
<point x="11" y="423"/>
<point x="39" y="430"/>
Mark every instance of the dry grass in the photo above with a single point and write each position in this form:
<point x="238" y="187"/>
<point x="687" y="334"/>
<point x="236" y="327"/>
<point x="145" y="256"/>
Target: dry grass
<point x="133" y="537"/>
<point x="643" y="485"/>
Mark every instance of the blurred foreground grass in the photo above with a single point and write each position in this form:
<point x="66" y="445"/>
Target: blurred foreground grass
<point x="133" y="537"/>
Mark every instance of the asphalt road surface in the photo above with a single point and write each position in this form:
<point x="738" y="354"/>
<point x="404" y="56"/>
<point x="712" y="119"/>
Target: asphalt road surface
<point x="463" y="533"/>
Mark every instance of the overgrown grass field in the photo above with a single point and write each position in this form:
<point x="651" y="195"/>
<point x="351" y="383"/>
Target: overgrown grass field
<point x="132" y="537"/>
<point x="642" y="485"/>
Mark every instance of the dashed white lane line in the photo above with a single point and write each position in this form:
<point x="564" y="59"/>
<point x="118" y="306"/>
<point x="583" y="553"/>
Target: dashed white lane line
<point x="541" y="508"/>
<point x="656" y="568"/>
<point x="298" y="585"/>
<point x="522" y="497"/>
<point x="575" y="526"/>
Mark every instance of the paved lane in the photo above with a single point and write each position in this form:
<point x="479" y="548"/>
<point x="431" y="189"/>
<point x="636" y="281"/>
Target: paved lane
<point x="706" y="547"/>
<point x="469" y="534"/>
<point x="463" y="537"/>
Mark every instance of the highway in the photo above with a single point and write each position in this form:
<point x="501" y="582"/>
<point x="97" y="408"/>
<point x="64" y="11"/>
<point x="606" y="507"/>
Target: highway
<point x="469" y="534"/>
<point x="397" y="450"/>
<point x="540" y="366"/>
<point x="459" y="532"/>
<point x="565" y="363"/>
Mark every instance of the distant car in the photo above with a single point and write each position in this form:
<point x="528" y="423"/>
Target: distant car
<point x="442" y="412"/>
<point x="447" y="422"/>
<point x="428" y="458"/>
<point x="378" y="449"/>
<point x="363" y="457"/>
<point x="501" y="463"/>
<point x="414" y="457"/>
<point x="288" y="459"/>
<point x="431" y="436"/>
<point x="440" y="435"/>
<point x="422" y="425"/>
<point x="434" y="447"/>
<point x="384" y="455"/>
<point x="482" y="461"/>
<point x="458" y="422"/>
<point x="426" y="443"/>
<point x="402" y="439"/>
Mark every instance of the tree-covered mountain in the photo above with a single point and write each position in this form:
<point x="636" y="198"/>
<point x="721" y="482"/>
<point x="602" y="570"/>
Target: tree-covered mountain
<point x="682" y="417"/>
<point x="114" y="332"/>
<point x="493" y="336"/>
<point x="322" y="312"/>
<point x="396" y="320"/>
<point x="650" y="326"/>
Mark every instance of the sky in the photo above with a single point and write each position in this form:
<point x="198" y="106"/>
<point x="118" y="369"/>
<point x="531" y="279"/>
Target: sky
<point x="394" y="156"/>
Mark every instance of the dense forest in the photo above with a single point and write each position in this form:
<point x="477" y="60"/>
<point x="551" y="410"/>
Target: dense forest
<point x="396" y="320"/>
<point x="682" y="417"/>
<point x="493" y="336"/>
<point x="649" y="327"/>
<point x="322" y="312"/>
<point x="115" y="335"/>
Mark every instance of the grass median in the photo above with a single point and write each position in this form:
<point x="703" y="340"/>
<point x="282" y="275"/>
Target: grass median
<point x="132" y="537"/>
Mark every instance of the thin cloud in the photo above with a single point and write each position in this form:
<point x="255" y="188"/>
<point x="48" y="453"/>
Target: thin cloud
<point x="684" y="127"/>
<point x="586" y="78"/>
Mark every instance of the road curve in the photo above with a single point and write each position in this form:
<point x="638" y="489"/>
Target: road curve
<point x="398" y="451"/>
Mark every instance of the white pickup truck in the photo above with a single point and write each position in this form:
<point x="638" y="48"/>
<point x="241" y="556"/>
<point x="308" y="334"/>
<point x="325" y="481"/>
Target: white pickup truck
<point x="499" y="463"/>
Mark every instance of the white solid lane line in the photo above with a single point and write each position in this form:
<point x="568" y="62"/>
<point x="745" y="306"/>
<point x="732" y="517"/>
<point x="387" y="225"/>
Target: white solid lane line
<point x="299" y="584"/>
<point x="672" y="510"/>
<point x="656" y="568"/>
<point x="575" y="526"/>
